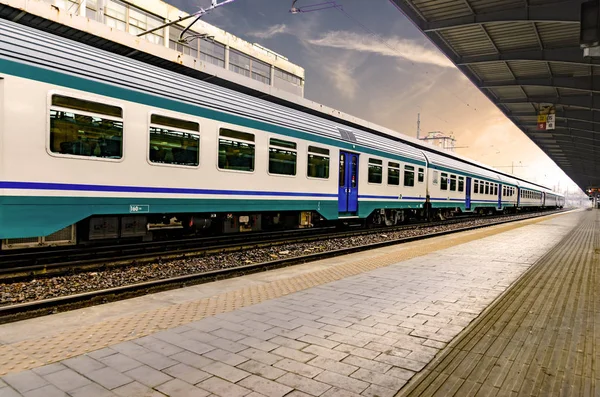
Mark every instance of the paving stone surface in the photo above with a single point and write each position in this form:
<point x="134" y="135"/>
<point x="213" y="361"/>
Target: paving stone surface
<point x="365" y="335"/>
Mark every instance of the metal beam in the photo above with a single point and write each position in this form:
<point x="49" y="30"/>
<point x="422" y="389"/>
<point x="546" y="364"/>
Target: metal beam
<point x="572" y="55"/>
<point x="573" y="147"/>
<point x="589" y="116"/>
<point x="572" y="83"/>
<point x="562" y="12"/>
<point x="568" y="125"/>
<point x="584" y="101"/>
<point x="576" y="151"/>
<point x="567" y="143"/>
<point x="557" y="137"/>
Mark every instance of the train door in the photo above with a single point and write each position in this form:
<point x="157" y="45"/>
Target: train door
<point x="499" y="196"/>
<point x="348" y="183"/>
<point x="518" y="197"/>
<point x="468" y="197"/>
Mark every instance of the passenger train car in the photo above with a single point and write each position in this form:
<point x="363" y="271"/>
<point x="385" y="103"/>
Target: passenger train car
<point x="98" y="146"/>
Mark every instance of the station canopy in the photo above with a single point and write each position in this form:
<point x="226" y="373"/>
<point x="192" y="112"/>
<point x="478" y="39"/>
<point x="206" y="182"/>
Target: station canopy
<point x="524" y="55"/>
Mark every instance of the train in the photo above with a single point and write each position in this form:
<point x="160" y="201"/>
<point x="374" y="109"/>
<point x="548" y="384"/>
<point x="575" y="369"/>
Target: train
<point x="96" y="146"/>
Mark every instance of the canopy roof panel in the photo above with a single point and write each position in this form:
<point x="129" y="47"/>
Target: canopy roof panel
<point x="521" y="54"/>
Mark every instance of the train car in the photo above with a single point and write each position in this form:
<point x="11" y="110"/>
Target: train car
<point x="552" y="199"/>
<point x="97" y="146"/>
<point x="509" y="195"/>
<point x="455" y="186"/>
<point x="530" y="196"/>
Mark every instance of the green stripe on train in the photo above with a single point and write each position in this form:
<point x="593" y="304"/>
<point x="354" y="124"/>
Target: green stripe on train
<point x="22" y="217"/>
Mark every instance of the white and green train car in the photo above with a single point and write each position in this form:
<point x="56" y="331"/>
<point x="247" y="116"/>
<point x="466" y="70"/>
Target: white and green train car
<point x="98" y="146"/>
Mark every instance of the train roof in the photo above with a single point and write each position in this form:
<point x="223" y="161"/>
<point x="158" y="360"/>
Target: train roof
<point x="297" y="113"/>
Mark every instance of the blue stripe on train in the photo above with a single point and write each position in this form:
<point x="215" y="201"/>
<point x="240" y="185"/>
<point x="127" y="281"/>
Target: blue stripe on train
<point x="149" y="189"/>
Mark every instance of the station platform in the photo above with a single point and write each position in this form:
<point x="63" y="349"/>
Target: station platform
<point x="504" y="310"/>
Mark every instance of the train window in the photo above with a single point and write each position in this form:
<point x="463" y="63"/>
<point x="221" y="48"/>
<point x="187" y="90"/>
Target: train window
<point x="409" y="175"/>
<point x="375" y="171"/>
<point x="461" y="183"/>
<point x="342" y="169"/>
<point x="393" y="173"/>
<point x="354" y="170"/>
<point x="476" y="186"/>
<point x="318" y="162"/>
<point x="435" y="177"/>
<point x="453" y="183"/>
<point x="282" y="157"/>
<point x="421" y="175"/>
<point x="84" y="128"/>
<point x="174" y="145"/>
<point x="444" y="181"/>
<point x="487" y="188"/>
<point x="236" y="150"/>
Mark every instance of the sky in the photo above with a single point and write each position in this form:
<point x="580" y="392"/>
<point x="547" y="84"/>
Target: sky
<point x="371" y="62"/>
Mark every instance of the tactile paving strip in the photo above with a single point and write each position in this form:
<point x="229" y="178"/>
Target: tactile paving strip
<point x="538" y="339"/>
<point x="52" y="348"/>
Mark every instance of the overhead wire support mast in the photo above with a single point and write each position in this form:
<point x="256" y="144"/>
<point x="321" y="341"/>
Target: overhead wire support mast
<point x="198" y="15"/>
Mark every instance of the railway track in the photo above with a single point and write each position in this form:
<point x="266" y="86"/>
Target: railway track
<point x="69" y="301"/>
<point x="60" y="261"/>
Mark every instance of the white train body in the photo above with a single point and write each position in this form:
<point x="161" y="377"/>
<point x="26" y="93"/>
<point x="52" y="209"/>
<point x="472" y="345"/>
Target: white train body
<point x="115" y="185"/>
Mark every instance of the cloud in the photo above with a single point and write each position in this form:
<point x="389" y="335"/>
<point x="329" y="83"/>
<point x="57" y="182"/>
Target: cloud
<point x="343" y="78"/>
<point x="391" y="47"/>
<point x="271" y="32"/>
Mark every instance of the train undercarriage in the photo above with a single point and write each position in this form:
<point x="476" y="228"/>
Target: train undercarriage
<point x="109" y="229"/>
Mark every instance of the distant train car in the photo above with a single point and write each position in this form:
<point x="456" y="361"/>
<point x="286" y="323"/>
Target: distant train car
<point x="97" y="146"/>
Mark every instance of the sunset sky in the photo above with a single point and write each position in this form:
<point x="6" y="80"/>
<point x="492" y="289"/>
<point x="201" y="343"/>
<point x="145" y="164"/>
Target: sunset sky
<point x="387" y="78"/>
